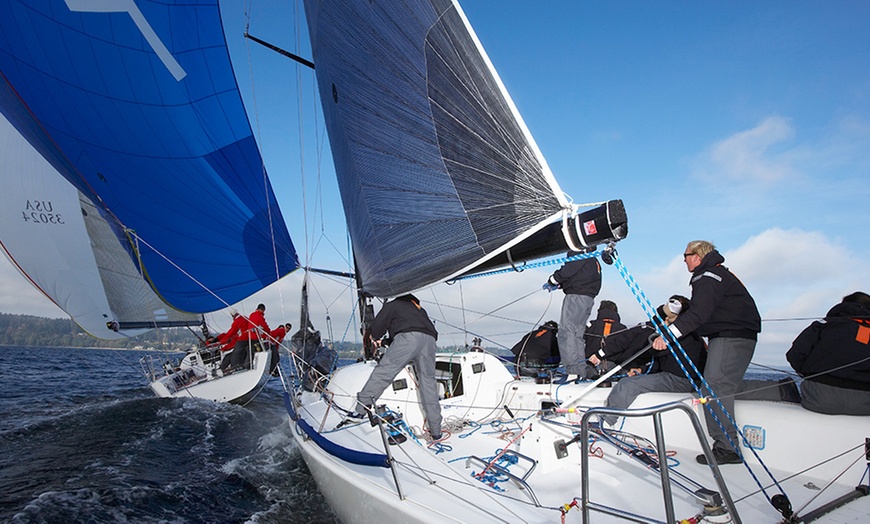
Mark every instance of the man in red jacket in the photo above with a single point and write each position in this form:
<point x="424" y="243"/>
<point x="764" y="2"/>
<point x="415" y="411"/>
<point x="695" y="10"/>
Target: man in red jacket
<point x="228" y="340"/>
<point x="249" y="339"/>
<point x="276" y="336"/>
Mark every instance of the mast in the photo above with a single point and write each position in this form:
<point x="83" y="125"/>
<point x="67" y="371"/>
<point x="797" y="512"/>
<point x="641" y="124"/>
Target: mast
<point x="367" y="315"/>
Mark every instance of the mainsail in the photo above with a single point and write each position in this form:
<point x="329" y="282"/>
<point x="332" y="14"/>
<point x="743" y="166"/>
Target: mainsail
<point x="137" y="106"/>
<point x="437" y="171"/>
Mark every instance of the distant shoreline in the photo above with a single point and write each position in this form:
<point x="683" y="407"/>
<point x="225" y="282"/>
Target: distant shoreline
<point x="148" y="350"/>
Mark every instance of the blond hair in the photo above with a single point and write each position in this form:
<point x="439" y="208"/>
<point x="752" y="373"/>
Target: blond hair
<point x="700" y="247"/>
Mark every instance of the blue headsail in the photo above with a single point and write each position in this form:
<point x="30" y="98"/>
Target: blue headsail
<point x="136" y="104"/>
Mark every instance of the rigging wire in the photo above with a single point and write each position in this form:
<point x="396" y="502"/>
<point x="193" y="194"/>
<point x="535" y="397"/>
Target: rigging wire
<point x="265" y="179"/>
<point x="676" y="346"/>
<point x="803" y="471"/>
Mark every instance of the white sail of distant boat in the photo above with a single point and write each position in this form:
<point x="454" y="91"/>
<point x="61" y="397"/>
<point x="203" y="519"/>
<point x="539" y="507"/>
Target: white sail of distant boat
<point x="136" y="106"/>
<point x="56" y="237"/>
<point x="439" y="177"/>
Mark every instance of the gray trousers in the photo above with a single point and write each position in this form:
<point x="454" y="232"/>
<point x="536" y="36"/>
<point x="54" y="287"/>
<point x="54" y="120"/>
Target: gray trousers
<point x="627" y="389"/>
<point x="418" y="348"/>
<point x="241" y="356"/>
<point x="783" y="390"/>
<point x="727" y="360"/>
<point x="832" y="400"/>
<point x="572" y="327"/>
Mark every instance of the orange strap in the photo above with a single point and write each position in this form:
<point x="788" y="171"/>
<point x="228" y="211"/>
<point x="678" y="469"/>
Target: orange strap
<point x="540" y="333"/>
<point x="607" y="325"/>
<point x="863" y="335"/>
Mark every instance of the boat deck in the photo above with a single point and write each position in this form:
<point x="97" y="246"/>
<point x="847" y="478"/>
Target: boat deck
<point x="509" y="457"/>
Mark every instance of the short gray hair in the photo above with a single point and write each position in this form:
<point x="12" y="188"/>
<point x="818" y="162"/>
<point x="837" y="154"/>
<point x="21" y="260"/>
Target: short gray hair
<point x="700" y="247"/>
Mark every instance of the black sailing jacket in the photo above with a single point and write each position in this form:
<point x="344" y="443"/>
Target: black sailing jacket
<point x="838" y="341"/>
<point x="721" y="305"/>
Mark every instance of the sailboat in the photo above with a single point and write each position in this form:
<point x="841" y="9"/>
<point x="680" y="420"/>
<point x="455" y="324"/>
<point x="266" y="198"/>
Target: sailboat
<point x="134" y="194"/>
<point x="440" y="179"/>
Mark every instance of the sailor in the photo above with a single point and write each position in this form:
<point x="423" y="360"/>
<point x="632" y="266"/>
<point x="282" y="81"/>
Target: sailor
<point x="723" y="311"/>
<point x="314" y="359"/>
<point x="606" y="323"/>
<point x="665" y="372"/>
<point x="413" y="340"/>
<point x="833" y="356"/>
<point x="249" y="339"/>
<point x="276" y="336"/>
<point x="228" y="339"/>
<point x="537" y="349"/>
<point x="580" y="280"/>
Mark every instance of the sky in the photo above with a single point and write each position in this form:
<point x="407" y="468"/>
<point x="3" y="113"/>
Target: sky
<point x="743" y="123"/>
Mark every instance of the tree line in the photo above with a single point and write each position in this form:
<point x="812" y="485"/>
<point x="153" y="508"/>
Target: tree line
<point x="28" y="330"/>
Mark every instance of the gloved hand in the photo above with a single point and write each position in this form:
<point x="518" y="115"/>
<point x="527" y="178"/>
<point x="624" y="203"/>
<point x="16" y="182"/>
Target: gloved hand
<point x="550" y="287"/>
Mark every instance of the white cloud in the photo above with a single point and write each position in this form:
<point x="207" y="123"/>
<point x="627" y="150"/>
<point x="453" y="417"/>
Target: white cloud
<point x="747" y="156"/>
<point x="844" y="147"/>
<point x="793" y="274"/>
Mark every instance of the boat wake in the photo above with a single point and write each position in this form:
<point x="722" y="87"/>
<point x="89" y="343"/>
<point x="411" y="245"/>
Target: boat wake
<point x="157" y="460"/>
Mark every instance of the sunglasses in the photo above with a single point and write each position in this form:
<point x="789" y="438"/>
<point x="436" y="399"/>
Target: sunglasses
<point x="687" y="255"/>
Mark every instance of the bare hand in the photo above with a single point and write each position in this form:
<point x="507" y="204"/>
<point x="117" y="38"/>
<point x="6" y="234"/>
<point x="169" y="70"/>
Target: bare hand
<point x="659" y="344"/>
<point x="595" y="360"/>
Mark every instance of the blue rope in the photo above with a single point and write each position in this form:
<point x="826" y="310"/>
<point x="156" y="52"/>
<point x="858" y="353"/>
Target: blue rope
<point x="504" y="462"/>
<point x="471" y="423"/>
<point x="674" y="346"/>
<point x="440" y="447"/>
<point x="533" y="265"/>
<point x="398" y="425"/>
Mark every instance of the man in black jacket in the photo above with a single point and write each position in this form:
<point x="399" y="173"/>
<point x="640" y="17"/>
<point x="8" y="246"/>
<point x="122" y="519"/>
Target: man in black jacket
<point x="665" y="373"/>
<point x="606" y="324"/>
<point x="833" y="356"/>
<point x="413" y="340"/>
<point x="580" y="280"/>
<point x="723" y="311"/>
<point x="537" y="350"/>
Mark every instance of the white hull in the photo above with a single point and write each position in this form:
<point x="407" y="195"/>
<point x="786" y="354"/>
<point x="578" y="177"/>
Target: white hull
<point x="799" y="448"/>
<point x="195" y="378"/>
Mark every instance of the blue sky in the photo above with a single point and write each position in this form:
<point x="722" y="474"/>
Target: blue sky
<point x="743" y="123"/>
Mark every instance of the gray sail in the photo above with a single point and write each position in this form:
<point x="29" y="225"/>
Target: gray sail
<point x="438" y="173"/>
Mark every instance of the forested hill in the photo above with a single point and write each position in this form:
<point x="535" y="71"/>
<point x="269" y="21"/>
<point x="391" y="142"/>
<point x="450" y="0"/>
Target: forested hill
<point x="27" y="330"/>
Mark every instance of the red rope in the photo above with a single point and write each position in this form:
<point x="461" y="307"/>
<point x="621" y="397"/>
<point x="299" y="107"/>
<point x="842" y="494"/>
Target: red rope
<point x="503" y="451"/>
